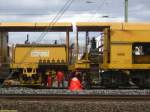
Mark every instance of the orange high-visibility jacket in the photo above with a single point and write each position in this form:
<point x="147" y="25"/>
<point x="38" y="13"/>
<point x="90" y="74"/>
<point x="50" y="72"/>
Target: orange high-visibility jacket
<point x="75" y="84"/>
<point x="49" y="81"/>
<point x="59" y="76"/>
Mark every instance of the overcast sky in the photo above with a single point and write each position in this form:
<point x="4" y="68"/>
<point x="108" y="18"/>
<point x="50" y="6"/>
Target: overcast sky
<point x="80" y="10"/>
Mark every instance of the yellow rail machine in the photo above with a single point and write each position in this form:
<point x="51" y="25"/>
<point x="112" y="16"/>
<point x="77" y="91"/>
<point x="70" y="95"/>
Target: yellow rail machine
<point x="33" y="61"/>
<point x="124" y="53"/>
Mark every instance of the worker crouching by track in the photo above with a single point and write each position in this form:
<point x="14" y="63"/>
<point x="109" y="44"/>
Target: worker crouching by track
<point x="75" y="82"/>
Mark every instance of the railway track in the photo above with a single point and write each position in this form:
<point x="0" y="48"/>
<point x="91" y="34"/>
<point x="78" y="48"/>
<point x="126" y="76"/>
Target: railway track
<point x="77" y="97"/>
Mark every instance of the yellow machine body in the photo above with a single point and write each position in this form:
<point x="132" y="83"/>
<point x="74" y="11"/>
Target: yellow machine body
<point x="118" y="57"/>
<point x="29" y="56"/>
<point x="119" y="47"/>
<point x="122" y="55"/>
<point x="118" y="40"/>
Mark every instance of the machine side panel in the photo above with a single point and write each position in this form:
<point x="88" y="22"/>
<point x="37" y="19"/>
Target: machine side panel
<point x="122" y="45"/>
<point x="28" y="55"/>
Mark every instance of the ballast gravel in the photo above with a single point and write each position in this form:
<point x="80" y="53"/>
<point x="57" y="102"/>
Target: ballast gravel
<point x="74" y="106"/>
<point x="28" y="91"/>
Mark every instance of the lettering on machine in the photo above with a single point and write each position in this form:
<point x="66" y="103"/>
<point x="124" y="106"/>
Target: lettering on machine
<point x="37" y="53"/>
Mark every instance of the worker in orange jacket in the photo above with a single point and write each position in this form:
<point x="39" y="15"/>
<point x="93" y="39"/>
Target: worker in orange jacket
<point x="60" y="78"/>
<point x="75" y="84"/>
<point x="49" y="78"/>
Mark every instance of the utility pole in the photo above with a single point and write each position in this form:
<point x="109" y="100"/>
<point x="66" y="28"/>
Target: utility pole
<point x="126" y="11"/>
<point x="86" y="44"/>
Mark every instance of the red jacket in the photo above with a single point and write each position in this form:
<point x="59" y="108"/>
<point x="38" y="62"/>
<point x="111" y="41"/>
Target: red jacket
<point x="75" y="84"/>
<point x="49" y="81"/>
<point x="59" y="76"/>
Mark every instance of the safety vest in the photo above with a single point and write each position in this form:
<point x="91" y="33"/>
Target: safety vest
<point x="59" y="76"/>
<point x="49" y="81"/>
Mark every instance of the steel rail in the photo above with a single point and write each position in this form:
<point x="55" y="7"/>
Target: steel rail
<point x="78" y="97"/>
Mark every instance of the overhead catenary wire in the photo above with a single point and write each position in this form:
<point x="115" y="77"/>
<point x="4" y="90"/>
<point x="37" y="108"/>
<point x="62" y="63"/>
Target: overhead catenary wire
<point x="55" y="19"/>
<point x="52" y="23"/>
<point x="25" y="12"/>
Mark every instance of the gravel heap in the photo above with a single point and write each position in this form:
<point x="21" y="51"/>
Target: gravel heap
<point x="29" y="91"/>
